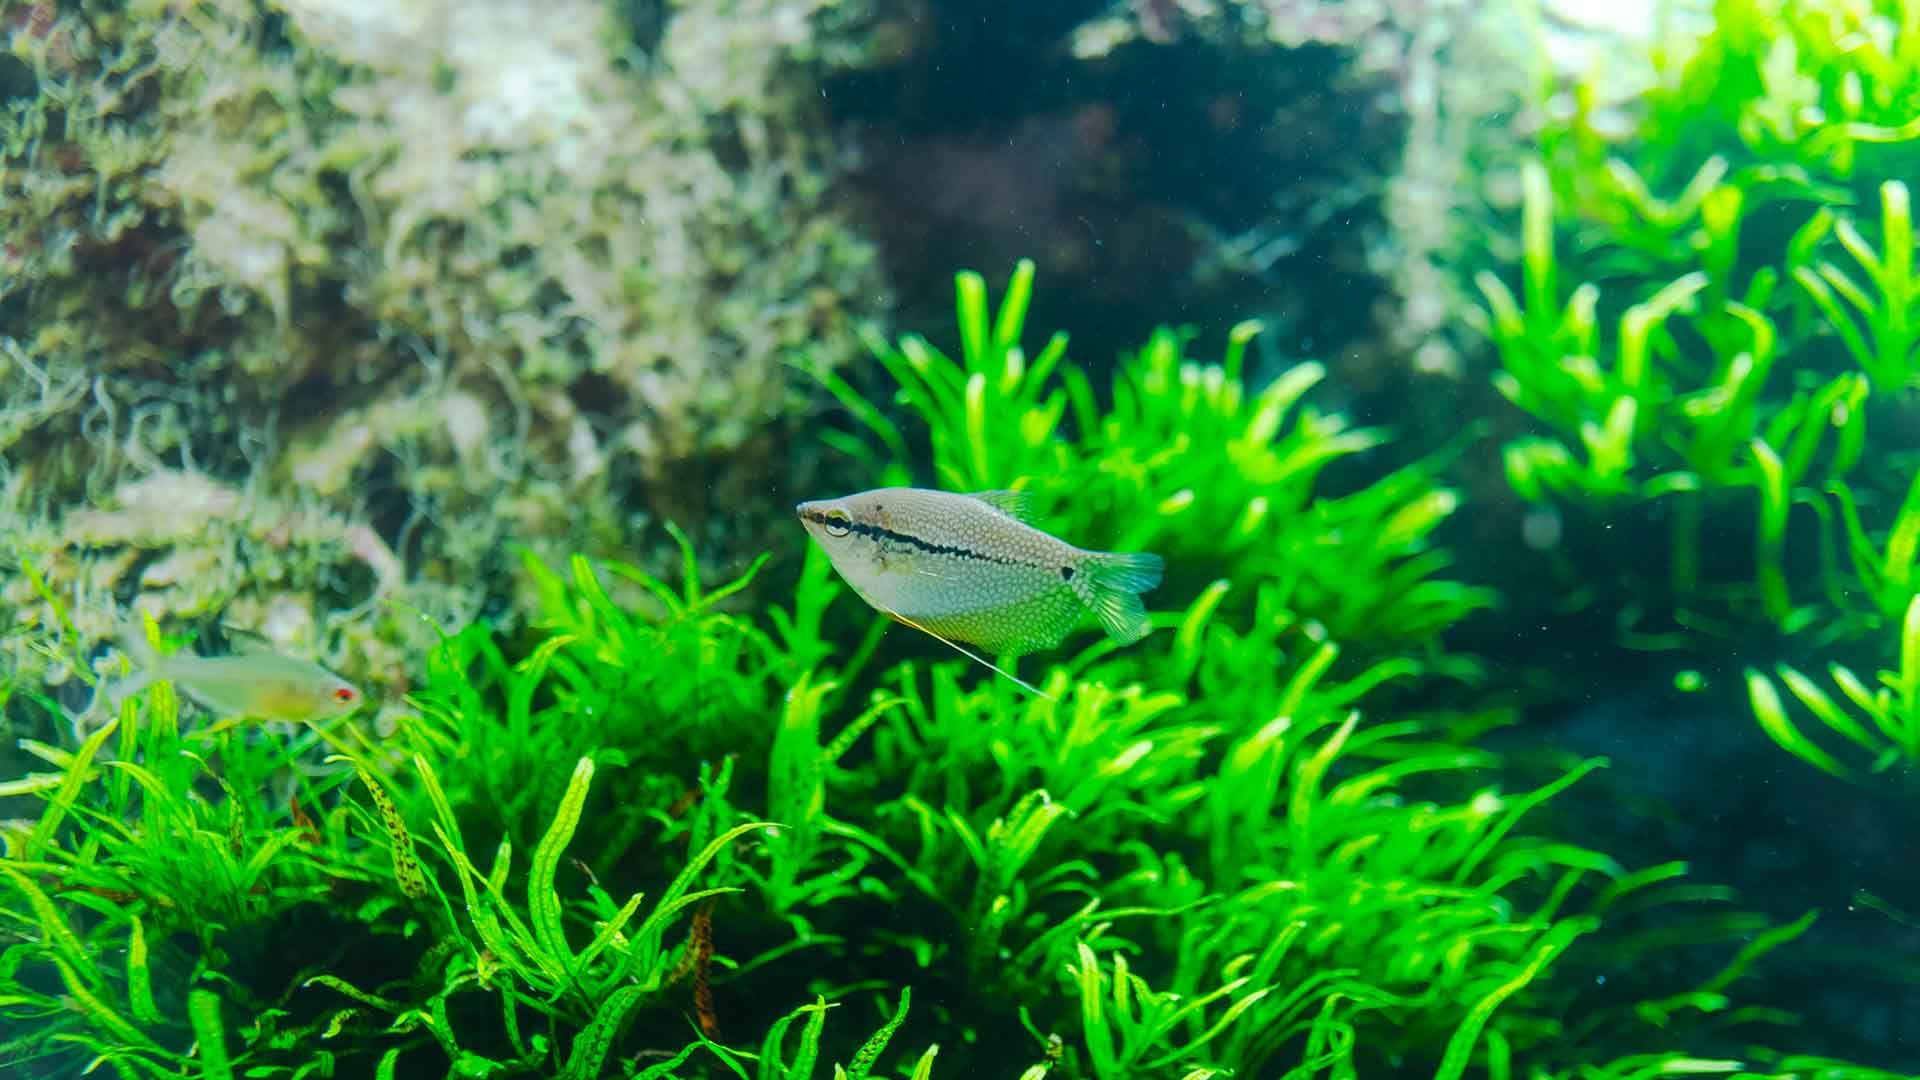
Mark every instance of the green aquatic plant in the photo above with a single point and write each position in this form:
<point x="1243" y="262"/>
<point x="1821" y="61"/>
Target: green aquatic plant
<point x="1824" y="86"/>
<point x="519" y="952"/>
<point x="1026" y="849"/>
<point x="1684" y="417"/>
<point x="649" y="833"/>
<point x="652" y="693"/>
<point x="1876" y="324"/>
<point x="1883" y="722"/>
<point x="1766" y="105"/>
<point x="137" y="905"/>
<point x="1714" y="300"/>
<point x="1097" y="770"/>
<point x="170" y="836"/>
<point x="1720" y="379"/>
<point x="1178" y="457"/>
<point x="1883" y="572"/>
<point x="797" y="774"/>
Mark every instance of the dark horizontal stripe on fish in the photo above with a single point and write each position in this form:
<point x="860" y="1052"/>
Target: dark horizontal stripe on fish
<point x="931" y="548"/>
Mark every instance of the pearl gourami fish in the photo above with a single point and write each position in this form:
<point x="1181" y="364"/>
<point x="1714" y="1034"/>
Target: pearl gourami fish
<point x="255" y="683"/>
<point x="969" y="568"/>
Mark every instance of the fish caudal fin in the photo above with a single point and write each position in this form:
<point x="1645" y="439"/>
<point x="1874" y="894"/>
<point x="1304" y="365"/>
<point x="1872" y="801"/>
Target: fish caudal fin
<point x="1111" y="583"/>
<point x="145" y="662"/>
<point x="132" y="639"/>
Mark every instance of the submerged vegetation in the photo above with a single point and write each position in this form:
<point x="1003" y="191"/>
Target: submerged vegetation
<point x="655" y="835"/>
<point x="705" y="824"/>
<point x="1175" y="457"/>
<point x="1716" y="304"/>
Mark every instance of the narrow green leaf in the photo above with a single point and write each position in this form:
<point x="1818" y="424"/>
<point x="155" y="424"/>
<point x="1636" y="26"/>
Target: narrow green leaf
<point x="714" y="596"/>
<point x="970" y="311"/>
<point x="1908" y="717"/>
<point x="1517" y="808"/>
<point x="664" y="1070"/>
<point x="450" y="825"/>
<point x="591" y="1047"/>
<point x="978" y="439"/>
<point x="1506" y="324"/>
<point x="69" y="791"/>
<point x="647" y="936"/>
<point x="844" y="741"/>
<point x="1536" y="229"/>
<point x="1188" y="637"/>
<point x="69" y="636"/>
<point x="809" y="1051"/>
<point x="1453" y="1063"/>
<point x="98" y="1012"/>
<point x="334" y="982"/>
<point x="1013" y="306"/>
<point x="203" y="1010"/>
<point x="1770" y="551"/>
<point x="1903" y="542"/>
<point x="1752" y="951"/>
<point x="1637" y="325"/>
<point x="53" y="925"/>
<point x="406" y="867"/>
<point x="608" y="932"/>
<point x="1842" y="323"/>
<point x="543" y="902"/>
<point x="139" y="979"/>
<point x="1823" y="707"/>
<point x="772" y="1067"/>
<point x="864" y="411"/>
<point x="876" y="1044"/>
<point x="1772" y="715"/>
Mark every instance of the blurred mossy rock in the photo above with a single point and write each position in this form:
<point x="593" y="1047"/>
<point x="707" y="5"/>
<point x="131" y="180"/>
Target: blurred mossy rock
<point x="1365" y="136"/>
<point x="407" y="285"/>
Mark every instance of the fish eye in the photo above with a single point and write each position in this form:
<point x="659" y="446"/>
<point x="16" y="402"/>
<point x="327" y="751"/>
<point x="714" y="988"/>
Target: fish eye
<point x="837" y="523"/>
<point x="343" y="694"/>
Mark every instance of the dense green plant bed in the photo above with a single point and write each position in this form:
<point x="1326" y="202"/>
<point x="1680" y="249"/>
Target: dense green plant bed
<point x="660" y="835"/>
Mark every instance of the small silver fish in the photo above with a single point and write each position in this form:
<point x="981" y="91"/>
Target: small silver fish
<point x="255" y="683"/>
<point x="969" y="568"/>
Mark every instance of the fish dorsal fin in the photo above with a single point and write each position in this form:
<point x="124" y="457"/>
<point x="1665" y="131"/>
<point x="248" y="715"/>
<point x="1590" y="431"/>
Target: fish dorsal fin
<point x="248" y="642"/>
<point x="1017" y="505"/>
<point x="970" y="654"/>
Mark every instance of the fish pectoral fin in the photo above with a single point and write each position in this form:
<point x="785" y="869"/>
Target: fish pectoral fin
<point x="1017" y="505"/>
<point x="969" y="653"/>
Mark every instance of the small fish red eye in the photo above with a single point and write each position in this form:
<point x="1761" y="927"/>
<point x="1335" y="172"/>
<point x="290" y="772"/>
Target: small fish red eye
<point x="343" y="695"/>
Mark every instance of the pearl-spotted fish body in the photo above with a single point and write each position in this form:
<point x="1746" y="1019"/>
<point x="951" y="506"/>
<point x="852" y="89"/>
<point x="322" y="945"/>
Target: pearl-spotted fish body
<point x="968" y="568"/>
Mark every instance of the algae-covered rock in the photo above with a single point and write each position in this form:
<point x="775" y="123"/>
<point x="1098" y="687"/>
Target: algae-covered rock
<point x="368" y="292"/>
<point x="1392" y="132"/>
<point x="1393" y="119"/>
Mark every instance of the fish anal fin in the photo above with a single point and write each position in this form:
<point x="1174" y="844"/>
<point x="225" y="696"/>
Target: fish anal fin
<point x="1017" y="505"/>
